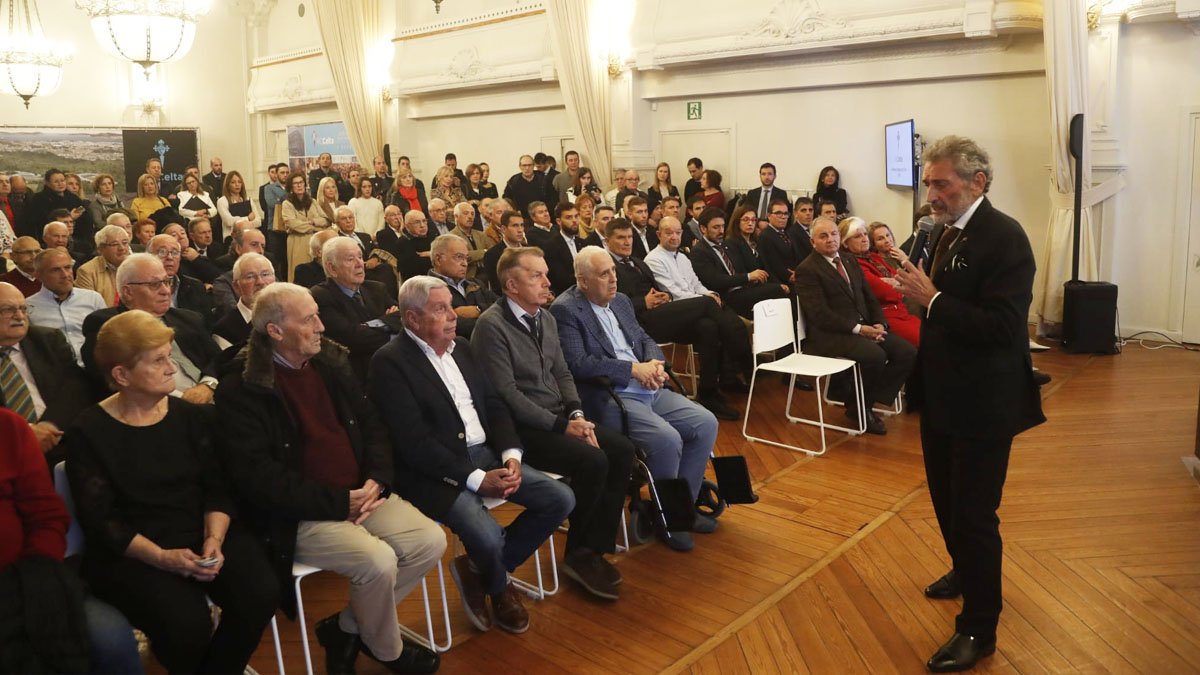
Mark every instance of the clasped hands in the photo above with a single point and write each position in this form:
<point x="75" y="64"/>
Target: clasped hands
<point x="364" y="501"/>
<point x="501" y="482"/>
<point x="650" y="374"/>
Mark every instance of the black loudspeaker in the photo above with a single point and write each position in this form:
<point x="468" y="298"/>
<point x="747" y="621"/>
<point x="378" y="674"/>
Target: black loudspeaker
<point x="1089" y="317"/>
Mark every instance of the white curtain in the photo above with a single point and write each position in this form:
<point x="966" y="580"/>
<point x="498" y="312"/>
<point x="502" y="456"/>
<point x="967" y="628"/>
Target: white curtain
<point x="584" y="81"/>
<point x="348" y="30"/>
<point x="1066" y="46"/>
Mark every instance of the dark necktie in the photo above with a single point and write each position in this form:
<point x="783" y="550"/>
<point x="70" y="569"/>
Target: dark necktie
<point x="944" y="243"/>
<point x="837" y="262"/>
<point x="763" y="202"/>
<point x="16" y="394"/>
<point x="359" y="299"/>
<point x="725" y="257"/>
<point x="535" y="326"/>
<point x="786" y="239"/>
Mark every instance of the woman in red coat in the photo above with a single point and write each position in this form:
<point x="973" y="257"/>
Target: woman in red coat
<point x="880" y="274"/>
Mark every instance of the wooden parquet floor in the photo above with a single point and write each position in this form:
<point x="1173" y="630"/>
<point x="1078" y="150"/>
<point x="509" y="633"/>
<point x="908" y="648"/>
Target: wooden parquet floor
<point x="824" y="574"/>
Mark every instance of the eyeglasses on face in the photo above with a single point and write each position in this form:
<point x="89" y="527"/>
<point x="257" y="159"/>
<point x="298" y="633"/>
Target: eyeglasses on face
<point x="9" y="311"/>
<point x="153" y="284"/>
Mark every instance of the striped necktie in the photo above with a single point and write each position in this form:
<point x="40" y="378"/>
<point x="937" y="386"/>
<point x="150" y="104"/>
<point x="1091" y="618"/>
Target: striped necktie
<point x="16" y="394"/>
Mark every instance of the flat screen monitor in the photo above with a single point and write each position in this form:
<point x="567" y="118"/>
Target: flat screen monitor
<point x="898" y="145"/>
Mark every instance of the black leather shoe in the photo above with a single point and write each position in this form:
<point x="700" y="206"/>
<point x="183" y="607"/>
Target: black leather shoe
<point x="413" y="659"/>
<point x="960" y="653"/>
<point x="874" y="422"/>
<point x="341" y="648"/>
<point x="715" y="403"/>
<point x="801" y="383"/>
<point x="735" y="384"/>
<point x="945" y="588"/>
<point x="1040" y="378"/>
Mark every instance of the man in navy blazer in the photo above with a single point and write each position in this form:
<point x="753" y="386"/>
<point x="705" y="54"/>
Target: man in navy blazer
<point x="601" y="338"/>
<point x="456" y="445"/>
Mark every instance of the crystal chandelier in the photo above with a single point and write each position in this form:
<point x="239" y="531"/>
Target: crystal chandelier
<point x="29" y="64"/>
<point x="146" y="32"/>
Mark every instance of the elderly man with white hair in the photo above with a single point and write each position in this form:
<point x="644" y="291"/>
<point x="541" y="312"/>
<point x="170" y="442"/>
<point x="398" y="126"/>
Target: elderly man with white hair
<point x="251" y="274"/>
<point x="60" y="304"/>
<point x="100" y="273"/>
<point x="313" y="464"/>
<point x="186" y="292"/>
<point x="145" y="285"/>
<point x="477" y="242"/>
<point x="57" y="234"/>
<point x="24" y="250"/>
<point x="376" y="260"/>
<point x="438" y="223"/>
<point x="244" y="241"/>
<point x="357" y="312"/>
<point x="311" y="273"/>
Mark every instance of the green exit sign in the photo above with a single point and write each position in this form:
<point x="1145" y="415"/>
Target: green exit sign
<point x="693" y="110"/>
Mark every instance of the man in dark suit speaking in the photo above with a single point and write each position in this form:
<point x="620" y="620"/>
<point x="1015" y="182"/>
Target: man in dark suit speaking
<point x="973" y="382"/>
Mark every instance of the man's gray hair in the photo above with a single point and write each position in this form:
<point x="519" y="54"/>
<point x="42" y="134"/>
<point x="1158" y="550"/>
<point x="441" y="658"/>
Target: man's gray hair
<point x="158" y="241"/>
<point x="442" y="243"/>
<point x="270" y="304"/>
<point x="47" y="226"/>
<point x="240" y="229"/>
<point x="413" y="215"/>
<point x="107" y="231"/>
<point x="244" y="260"/>
<point x="114" y="217"/>
<point x="968" y="158"/>
<point x="45" y="256"/>
<point x="437" y="203"/>
<point x="585" y="260"/>
<point x="135" y="263"/>
<point x="333" y="247"/>
<point x="414" y="293"/>
<point x="461" y="208"/>
<point x="342" y="209"/>
<point x="318" y="240"/>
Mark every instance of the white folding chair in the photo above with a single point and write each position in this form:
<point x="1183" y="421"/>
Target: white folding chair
<point x="896" y="408"/>
<point x="772" y="331"/>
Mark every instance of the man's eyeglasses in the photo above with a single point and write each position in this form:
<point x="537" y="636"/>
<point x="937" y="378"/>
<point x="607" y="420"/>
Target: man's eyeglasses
<point x="26" y="251"/>
<point x="10" y="311"/>
<point x="254" y="276"/>
<point x="154" y="284"/>
<point x="168" y="253"/>
<point x="115" y="244"/>
<point x="779" y="213"/>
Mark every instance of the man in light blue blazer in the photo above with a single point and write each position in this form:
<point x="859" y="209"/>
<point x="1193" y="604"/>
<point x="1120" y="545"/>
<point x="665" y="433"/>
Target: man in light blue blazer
<point x="601" y="337"/>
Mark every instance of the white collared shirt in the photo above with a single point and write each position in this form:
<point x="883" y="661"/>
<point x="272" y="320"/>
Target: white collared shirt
<point x="18" y="358"/>
<point x="67" y="316"/>
<point x="960" y="224"/>
<point x="570" y="244"/>
<point x="447" y="369"/>
<point x="674" y="272"/>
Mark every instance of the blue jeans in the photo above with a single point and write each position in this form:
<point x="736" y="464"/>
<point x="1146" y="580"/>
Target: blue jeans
<point x="677" y="434"/>
<point x="495" y="550"/>
<point x="113" y="648"/>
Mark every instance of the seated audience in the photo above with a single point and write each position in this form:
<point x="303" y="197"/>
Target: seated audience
<point x="468" y="297"/>
<point x="100" y="273"/>
<point x="880" y="276"/>
<point x="476" y="241"/>
<point x="143" y="231"/>
<point x="151" y="499"/>
<point x="459" y="447"/>
<point x="312" y="461"/>
<point x="144" y="285"/>
<point x="200" y="249"/>
<point x="251" y="273"/>
<point x="561" y="246"/>
<point x="601" y="338"/>
<point x="186" y="292"/>
<point x="244" y="241"/>
<point x="356" y="311"/>
<point x="487" y="219"/>
<point x="312" y="272"/>
<point x="57" y="234"/>
<point x="828" y="189"/>
<point x="541" y="225"/>
<point x="710" y="188"/>
<point x="438" y="222"/>
<point x="728" y="265"/>
<point x="234" y="204"/>
<point x="556" y="435"/>
<point x="630" y="187"/>
<point x="473" y="187"/>
<point x="148" y="201"/>
<point x="301" y="217"/>
<point x="445" y="189"/>
<point x="849" y="325"/>
<point x="827" y="208"/>
<point x="412" y="247"/>
<point x="723" y="350"/>
<point x="40" y="379"/>
<point x="584" y="184"/>
<point x="781" y="246"/>
<point x="105" y="200"/>
<point x="24" y="275"/>
<point x="587" y="213"/>
<point x="512" y="230"/>
<point x="36" y="209"/>
<point x="644" y="237"/>
<point x="368" y="210"/>
<point x="393" y="229"/>
<point x="378" y="269"/>
<point x="804" y="215"/>
<point x="59" y="304"/>
<point x="34" y="520"/>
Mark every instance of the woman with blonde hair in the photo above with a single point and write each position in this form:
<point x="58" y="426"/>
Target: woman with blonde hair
<point x="154" y="507"/>
<point x="327" y="198"/>
<point x="148" y="201"/>
<point x="405" y="194"/>
<point x="301" y="217"/>
<point x="445" y="189"/>
<point x="881" y="277"/>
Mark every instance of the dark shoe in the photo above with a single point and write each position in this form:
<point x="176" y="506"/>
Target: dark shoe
<point x="735" y="384"/>
<point x="611" y="572"/>
<point x="874" y="422"/>
<point x="510" y="612"/>
<point x="960" y="653"/>
<point x="587" y="569"/>
<point x="717" y="406"/>
<point x="679" y="541"/>
<point x="1041" y="378"/>
<point x="470" y="587"/>
<point x="413" y="659"/>
<point x="704" y="524"/>
<point x="801" y="383"/>
<point x="946" y="588"/>
<point x="341" y="648"/>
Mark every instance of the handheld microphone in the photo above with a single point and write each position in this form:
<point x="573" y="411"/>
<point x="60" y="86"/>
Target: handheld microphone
<point x="920" y="248"/>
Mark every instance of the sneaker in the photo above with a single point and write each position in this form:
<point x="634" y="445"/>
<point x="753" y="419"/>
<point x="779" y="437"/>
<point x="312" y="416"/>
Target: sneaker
<point x="587" y="569"/>
<point x="679" y="540"/>
<point x="510" y="611"/>
<point x="470" y="587"/>
<point x="704" y="524"/>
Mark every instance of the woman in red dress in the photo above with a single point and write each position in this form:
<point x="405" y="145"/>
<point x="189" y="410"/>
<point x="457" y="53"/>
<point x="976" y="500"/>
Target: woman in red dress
<point x="880" y="272"/>
<point x="710" y="183"/>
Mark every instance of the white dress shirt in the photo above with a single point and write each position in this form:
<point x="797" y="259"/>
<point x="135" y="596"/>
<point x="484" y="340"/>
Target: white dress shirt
<point x="18" y="359"/>
<point x="674" y="272"/>
<point x="570" y="244"/>
<point x="460" y="393"/>
<point x="67" y="316"/>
